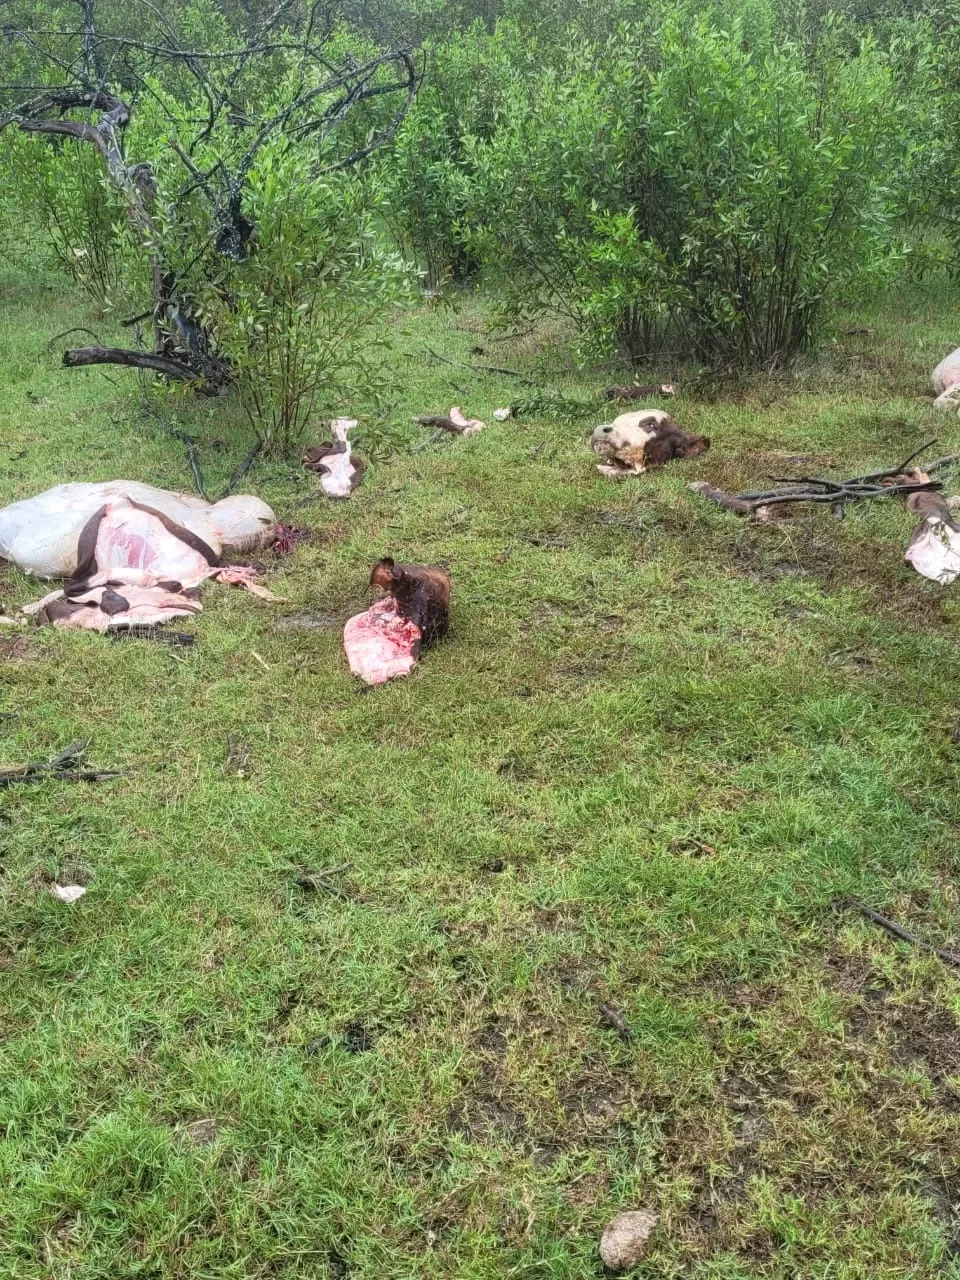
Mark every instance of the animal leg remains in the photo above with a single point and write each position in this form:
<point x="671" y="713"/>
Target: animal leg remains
<point x="385" y="641"/>
<point x="338" y="467"/>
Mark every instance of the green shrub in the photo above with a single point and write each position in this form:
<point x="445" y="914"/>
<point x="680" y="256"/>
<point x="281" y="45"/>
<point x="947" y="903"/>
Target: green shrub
<point x="60" y="185"/>
<point x="923" y="50"/>
<point x="428" y="175"/>
<point x="297" y="318"/>
<point x="708" y="187"/>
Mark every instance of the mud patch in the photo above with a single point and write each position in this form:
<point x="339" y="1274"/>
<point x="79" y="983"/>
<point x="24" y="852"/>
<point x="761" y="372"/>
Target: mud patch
<point x="15" y="649"/>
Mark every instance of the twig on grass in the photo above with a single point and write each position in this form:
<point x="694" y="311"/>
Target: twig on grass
<point x="482" y="368"/>
<point x="898" y="931"/>
<point x="59" y="767"/>
<point x="321" y="881"/>
<point x="615" y="1019"/>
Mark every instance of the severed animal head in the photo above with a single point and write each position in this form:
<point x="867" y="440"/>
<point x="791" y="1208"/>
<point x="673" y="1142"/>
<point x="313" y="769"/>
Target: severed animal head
<point x="422" y="593"/>
<point x="636" y="442"/>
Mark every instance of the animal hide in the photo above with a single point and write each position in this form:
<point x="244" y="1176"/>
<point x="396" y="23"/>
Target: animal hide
<point x="947" y="373"/>
<point x="132" y="555"/>
<point x="456" y="422"/>
<point x="934" y="549"/>
<point x="948" y="400"/>
<point x="636" y="442"/>
<point x="386" y="640"/>
<point x="41" y="534"/>
<point x="338" y="467"/>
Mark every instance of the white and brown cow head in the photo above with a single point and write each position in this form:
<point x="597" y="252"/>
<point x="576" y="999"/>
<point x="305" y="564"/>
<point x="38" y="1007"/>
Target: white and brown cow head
<point x="637" y="442"/>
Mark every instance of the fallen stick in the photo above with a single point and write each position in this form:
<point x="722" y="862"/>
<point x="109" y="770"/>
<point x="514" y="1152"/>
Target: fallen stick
<point x="941" y="464"/>
<point x="314" y="881"/>
<point x="898" y="931"/>
<point x="728" y="501"/>
<point x="615" y="1019"/>
<point x="440" y="421"/>
<point x="191" y="443"/>
<point x="241" y="470"/>
<point x="819" y="489"/>
<point x="425" y="444"/>
<point x="58" y="767"/>
<point x="481" y="368"/>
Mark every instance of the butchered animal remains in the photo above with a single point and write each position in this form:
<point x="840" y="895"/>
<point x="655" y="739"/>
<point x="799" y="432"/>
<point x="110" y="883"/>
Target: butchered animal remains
<point x="637" y="442"/>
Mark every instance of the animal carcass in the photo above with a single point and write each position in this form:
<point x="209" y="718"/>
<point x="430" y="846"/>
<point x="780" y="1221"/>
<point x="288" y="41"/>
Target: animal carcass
<point x="934" y="549"/>
<point x="131" y="554"/>
<point x="636" y="442"/>
<point x="385" y="641"/>
<point x="946" y="382"/>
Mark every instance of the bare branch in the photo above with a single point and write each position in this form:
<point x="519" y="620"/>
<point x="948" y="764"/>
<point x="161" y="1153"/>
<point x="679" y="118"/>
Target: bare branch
<point x="81" y="357"/>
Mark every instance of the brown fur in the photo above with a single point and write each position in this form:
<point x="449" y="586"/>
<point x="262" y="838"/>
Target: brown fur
<point x="644" y="440"/>
<point x="315" y="459"/>
<point x="422" y="593"/>
<point x="673" y="442"/>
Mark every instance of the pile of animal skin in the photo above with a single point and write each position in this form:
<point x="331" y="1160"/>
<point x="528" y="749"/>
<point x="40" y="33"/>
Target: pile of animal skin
<point x="132" y="555"/>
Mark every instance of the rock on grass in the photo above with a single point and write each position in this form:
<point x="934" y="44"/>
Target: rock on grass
<point x="624" y="1239"/>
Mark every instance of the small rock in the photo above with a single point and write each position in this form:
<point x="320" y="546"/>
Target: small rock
<point x="624" y="1239"/>
<point x="68" y="892"/>
<point x="502" y="415"/>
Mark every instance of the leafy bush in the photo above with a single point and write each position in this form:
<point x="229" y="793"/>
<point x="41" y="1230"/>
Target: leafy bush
<point x="923" y="50"/>
<point x="296" y="319"/>
<point x="428" y="176"/>
<point x="710" y="189"/>
<point x="61" y="185"/>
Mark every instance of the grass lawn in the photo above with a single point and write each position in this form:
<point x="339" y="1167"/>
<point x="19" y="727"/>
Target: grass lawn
<point x="656" y="748"/>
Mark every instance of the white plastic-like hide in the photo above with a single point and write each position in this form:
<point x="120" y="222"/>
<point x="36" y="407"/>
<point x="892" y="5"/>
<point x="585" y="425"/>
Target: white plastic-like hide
<point x="934" y="551"/>
<point x="41" y="534"/>
<point x="947" y="373"/>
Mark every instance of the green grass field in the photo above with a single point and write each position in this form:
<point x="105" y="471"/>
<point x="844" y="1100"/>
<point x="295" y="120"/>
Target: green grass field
<point x="657" y="747"/>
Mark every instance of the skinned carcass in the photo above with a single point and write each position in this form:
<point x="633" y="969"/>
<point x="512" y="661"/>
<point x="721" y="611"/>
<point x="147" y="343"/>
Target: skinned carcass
<point x="132" y="555"/>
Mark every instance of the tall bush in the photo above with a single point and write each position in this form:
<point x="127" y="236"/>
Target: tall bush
<point x="301" y="320"/>
<point x="709" y="190"/>
<point x="60" y="186"/>
<point x="428" y="176"/>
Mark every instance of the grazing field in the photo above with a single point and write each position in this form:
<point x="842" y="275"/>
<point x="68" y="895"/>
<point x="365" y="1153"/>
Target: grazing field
<point x="657" y="748"/>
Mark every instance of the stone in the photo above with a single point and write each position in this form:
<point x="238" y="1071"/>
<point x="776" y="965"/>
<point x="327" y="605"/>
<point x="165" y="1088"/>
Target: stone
<point x="624" y="1239"/>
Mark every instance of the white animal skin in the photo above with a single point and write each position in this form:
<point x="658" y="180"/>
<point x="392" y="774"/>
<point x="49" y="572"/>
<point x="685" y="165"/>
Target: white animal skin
<point x="947" y="373"/>
<point x="41" y="534"/>
<point x="339" y="467"/>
